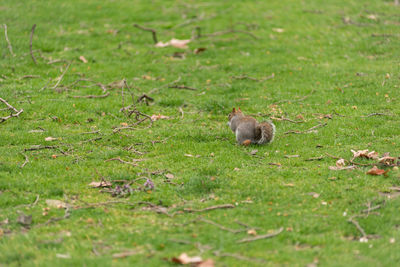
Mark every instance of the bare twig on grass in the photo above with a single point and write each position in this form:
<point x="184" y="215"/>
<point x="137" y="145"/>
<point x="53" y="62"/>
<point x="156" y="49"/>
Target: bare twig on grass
<point x="40" y="148"/>
<point x="357" y="225"/>
<point x="182" y="87"/>
<point x="242" y="77"/>
<point x="295" y="100"/>
<point x="125" y="162"/>
<point x="180" y="241"/>
<point x="145" y="98"/>
<point x="165" y="85"/>
<point x="223" y="206"/>
<point x="61" y="77"/>
<point x="29" y="77"/>
<point x="30" y="43"/>
<point x="25" y="162"/>
<point x="285" y="119"/>
<point x="93" y="132"/>
<point x="315" y="158"/>
<point x="16" y="114"/>
<point x="153" y="32"/>
<point x="90" y="96"/>
<point x="126" y="254"/>
<point x="306" y="131"/>
<point x="375" y="114"/>
<point x="251" y="239"/>
<point x="8" y="41"/>
<point x="234" y="231"/>
<point x="239" y="257"/>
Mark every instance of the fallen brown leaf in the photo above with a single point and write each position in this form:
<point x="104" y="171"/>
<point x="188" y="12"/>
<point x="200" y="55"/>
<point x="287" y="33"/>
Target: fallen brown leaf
<point x="364" y="154"/>
<point x="175" y="43"/>
<point x="169" y="176"/>
<point x="387" y="160"/>
<point x="336" y="168"/>
<point x="199" y="50"/>
<point x="375" y="171"/>
<point x="340" y="163"/>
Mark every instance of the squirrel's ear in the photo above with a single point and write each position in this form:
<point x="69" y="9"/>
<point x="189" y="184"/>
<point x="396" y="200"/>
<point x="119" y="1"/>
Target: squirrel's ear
<point x="239" y="109"/>
<point x="234" y="110"/>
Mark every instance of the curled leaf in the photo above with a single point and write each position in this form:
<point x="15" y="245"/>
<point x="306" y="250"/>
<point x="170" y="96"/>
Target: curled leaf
<point x="376" y="171"/>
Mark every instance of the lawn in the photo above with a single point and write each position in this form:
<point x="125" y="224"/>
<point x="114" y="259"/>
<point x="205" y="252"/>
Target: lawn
<point x="148" y="125"/>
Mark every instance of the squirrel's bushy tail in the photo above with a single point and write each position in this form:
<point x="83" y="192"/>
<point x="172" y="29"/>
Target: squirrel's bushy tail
<point x="267" y="132"/>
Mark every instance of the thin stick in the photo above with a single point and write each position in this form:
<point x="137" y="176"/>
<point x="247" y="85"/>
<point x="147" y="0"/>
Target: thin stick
<point x="3" y="119"/>
<point x="182" y="87"/>
<point x="251" y="239"/>
<point x="30" y="43"/>
<point x="123" y="161"/>
<point x="8" y="41"/>
<point x="308" y="130"/>
<point x="62" y="76"/>
<point x="227" y="32"/>
<point x="26" y="161"/>
<point x="239" y="257"/>
<point x="221" y="226"/>
<point x="375" y="114"/>
<point x="357" y="225"/>
<point x="154" y="32"/>
<point x="223" y="206"/>
<point x="286" y="119"/>
<point x="90" y="96"/>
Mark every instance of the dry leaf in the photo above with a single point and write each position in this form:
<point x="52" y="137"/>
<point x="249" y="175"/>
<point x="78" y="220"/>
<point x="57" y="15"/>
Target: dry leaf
<point x="54" y="203"/>
<point x="83" y="59"/>
<point x="290" y="185"/>
<point x="364" y="154"/>
<point x="388" y="160"/>
<point x="175" y="43"/>
<point x="100" y="184"/>
<point x="49" y="139"/>
<point x="372" y="17"/>
<point x="253" y="152"/>
<point x="278" y="30"/>
<point x="340" y="163"/>
<point x="375" y="171"/>
<point x="185" y="259"/>
<point x="188" y="155"/>
<point x="158" y="117"/>
<point x="199" y="50"/>
<point x="169" y="176"/>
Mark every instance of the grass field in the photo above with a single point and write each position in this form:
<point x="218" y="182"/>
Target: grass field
<point x="325" y="72"/>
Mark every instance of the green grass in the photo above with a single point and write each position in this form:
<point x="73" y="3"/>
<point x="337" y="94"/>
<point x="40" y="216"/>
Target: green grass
<point x="315" y="61"/>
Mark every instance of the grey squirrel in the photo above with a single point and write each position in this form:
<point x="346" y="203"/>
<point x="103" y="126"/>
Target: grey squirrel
<point x="248" y="130"/>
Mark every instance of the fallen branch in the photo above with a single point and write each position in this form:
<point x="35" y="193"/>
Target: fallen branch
<point x="308" y="130"/>
<point x="285" y="119"/>
<point x="296" y="100"/>
<point x="62" y="76"/>
<point x="16" y="114"/>
<point x="375" y="114"/>
<point x="8" y="41"/>
<point x="153" y="32"/>
<point x="316" y="158"/>
<point x="40" y="148"/>
<point x="25" y="162"/>
<point x="251" y="239"/>
<point x="359" y="228"/>
<point x="123" y="161"/>
<point x="234" y="231"/>
<point x="239" y="257"/>
<point x="242" y="77"/>
<point x="182" y="87"/>
<point x="90" y="96"/>
<point x="223" y="206"/>
<point x="30" y="43"/>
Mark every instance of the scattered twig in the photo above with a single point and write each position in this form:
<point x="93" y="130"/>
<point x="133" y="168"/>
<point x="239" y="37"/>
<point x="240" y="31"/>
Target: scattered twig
<point x="223" y="206"/>
<point x="180" y="241"/>
<point x="295" y="100"/>
<point x="242" y="77"/>
<point x="30" y="43"/>
<point x="8" y="41"/>
<point x="16" y="114"/>
<point x="67" y="214"/>
<point x="374" y="114"/>
<point x="308" y="130"/>
<point x="165" y="85"/>
<point x="315" y="158"/>
<point x="182" y="87"/>
<point x="62" y="76"/>
<point x="153" y="32"/>
<point x="93" y="132"/>
<point x="125" y="162"/>
<point x="125" y="254"/>
<point x="234" y="231"/>
<point x="199" y="35"/>
<point x="90" y="96"/>
<point x="251" y="239"/>
<point x="29" y="77"/>
<point x="145" y="98"/>
<point x="40" y="148"/>
<point x="239" y="257"/>
<point x="357" y="225"/>
<point x="181" y="111"/>
<point x="26" y="161"/>
<point x="246" y="225"/>
<point x="285" y="119"/>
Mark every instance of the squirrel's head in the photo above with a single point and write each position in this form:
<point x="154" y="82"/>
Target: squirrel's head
<point x="234" y="113"/>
